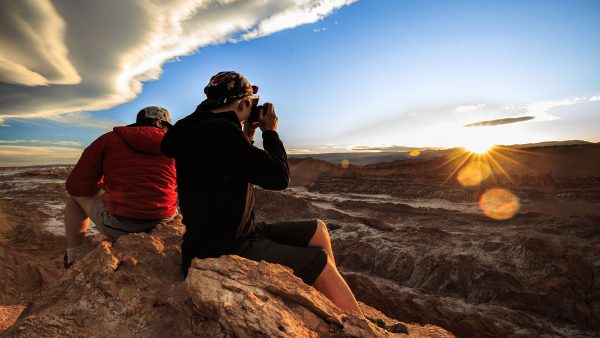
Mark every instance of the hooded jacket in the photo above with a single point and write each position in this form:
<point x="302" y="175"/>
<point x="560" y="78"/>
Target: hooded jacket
<point x="139" y="182"/>
<point x="217" y="167"/>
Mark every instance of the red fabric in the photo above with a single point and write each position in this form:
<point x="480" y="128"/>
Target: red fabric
<point x="140" y="182"/>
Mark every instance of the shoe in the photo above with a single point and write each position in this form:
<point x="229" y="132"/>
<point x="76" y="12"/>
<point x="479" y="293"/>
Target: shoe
<point x="66" y="263"/>
<point x="397" y="328"/>
<point x="394" y="328"/>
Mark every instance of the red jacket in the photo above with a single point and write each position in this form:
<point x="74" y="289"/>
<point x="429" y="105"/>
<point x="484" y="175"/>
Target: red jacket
<point x="140" y="182"/>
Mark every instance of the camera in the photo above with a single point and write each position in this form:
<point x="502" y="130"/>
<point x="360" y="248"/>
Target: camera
<point x="255" y="112"/>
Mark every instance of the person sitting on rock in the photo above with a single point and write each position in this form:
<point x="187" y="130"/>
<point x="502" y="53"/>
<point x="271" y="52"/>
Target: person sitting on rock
<point x="217" y="168"/>
<point x="122" y="182"/>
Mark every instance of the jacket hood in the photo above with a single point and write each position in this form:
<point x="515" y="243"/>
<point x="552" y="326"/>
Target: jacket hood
<point x="144" y="139"/>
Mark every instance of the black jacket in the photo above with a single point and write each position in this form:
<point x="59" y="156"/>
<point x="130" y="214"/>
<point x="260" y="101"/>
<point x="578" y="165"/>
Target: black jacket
<point x="217" y="167"/>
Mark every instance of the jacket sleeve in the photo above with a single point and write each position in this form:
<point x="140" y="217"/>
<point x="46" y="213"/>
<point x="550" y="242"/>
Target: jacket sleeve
<point x="236" y="156"/>
<point x="86" y="177"/>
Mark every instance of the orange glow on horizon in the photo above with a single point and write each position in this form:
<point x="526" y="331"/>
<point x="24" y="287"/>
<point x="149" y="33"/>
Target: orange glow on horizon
<point x="480" y="148"/>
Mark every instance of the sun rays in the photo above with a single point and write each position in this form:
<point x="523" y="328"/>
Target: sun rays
<point x="486" y="166"/>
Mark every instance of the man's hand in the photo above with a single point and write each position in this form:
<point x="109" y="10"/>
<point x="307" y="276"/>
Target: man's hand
<point x="250" y="128"/>
<point x="268" y="119"/>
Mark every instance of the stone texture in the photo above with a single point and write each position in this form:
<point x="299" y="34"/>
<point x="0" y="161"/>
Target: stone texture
<point x="134" y="288"/>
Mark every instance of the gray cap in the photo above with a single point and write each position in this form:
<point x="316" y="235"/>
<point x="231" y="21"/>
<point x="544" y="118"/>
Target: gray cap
<point x="155" y="112"/>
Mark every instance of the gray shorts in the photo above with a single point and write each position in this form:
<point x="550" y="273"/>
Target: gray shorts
<point x="114" y="226"/>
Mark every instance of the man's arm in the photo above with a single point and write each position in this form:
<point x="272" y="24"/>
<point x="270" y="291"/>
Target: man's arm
<point x="236" y="156"/>
<point x="86" y="177"/>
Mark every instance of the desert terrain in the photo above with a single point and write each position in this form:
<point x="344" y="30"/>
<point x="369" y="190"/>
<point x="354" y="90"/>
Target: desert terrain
<point x="414" y="237"/>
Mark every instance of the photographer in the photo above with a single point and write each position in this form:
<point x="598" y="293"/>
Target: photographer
<point x="217" y="168"/>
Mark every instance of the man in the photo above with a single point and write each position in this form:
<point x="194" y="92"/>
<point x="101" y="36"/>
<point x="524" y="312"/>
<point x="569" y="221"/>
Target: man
<point x="122" y="182"/>
<point x="217" y="166"/>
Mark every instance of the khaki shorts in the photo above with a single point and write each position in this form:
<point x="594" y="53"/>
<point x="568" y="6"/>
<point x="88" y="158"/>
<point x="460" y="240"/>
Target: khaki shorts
<point x="114" y="226"/>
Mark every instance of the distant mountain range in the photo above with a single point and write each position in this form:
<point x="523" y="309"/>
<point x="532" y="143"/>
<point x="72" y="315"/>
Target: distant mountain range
<point x="550" y="144"/>
<point x="365" y="155"/>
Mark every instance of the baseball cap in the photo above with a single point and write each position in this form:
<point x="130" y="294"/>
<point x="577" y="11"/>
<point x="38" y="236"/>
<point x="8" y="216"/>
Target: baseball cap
<point x="156" y="113"/>
<point x="227" y="86"/>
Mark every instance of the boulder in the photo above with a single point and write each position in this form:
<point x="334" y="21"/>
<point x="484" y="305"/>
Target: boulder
<point x="134" y="288"/>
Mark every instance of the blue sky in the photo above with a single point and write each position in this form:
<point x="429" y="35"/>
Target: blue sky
<point x="369" y="73"/>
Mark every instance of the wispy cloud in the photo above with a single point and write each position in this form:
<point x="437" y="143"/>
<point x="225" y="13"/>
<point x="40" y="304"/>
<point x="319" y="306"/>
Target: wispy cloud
<point x="541" y="110"/>
<point x="469" y="108"/>
<point x="478" y="115"/>
<point x="498" y="122"/>
<point x="65" y="57"/>
<point x="444" y="126"/>
<point x="15" y="155"/>
<point x="57" y="143"/>
<point x="391" y="148"/>
<point x="32" y="46"/>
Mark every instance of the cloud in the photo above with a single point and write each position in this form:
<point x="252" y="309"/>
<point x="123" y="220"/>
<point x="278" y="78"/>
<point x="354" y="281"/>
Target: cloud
<point x="32" y="46"/>
<point x="11" y="155"/>
<point x="469" y="108"/>
<point x="58" y="143"/>
<point x="541" y="110"/>
<point x="391" y="148"/>
<point x="443" y="126"/>
<point x="498" y="122"/>
<point x="85" y="55"/>
<point x="494" y="114"/>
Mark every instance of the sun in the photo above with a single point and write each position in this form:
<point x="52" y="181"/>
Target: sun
<point x="479" y="147"/>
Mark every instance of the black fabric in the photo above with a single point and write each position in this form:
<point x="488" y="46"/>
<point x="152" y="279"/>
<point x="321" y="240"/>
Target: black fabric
<point x="286" y="243"/>
<point x="216" y="165"/>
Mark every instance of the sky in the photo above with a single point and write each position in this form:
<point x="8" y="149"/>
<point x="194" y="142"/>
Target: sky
<point x="342" y="74"/>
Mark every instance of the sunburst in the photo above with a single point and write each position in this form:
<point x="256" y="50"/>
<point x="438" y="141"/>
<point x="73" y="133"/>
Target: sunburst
<point x="478" y="162"/>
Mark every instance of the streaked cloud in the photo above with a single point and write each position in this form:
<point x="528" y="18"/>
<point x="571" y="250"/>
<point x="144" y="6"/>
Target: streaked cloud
<point x="498" y="122"/>
<point x="391" y="148"/>
<point x="477" y="115"/>
<point x="33" y="51"/>
<point x="469" y="108"/>
<point x="58" y="143"/>
<point x="444" y="126"/>
<point x="72" y="56"/>
<point x="16" y="155"/>
<point x="541" y="110"/>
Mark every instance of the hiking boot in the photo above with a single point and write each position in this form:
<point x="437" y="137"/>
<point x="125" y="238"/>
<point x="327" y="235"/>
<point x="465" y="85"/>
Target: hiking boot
<point x="394" y="328"/>
<point x="397" y="328"/>
<point x="66" y="263"/>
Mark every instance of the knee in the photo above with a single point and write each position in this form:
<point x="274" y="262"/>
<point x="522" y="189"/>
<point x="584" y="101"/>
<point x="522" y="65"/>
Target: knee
<point x="322" y="227"/>
<point x="329" y="270"/>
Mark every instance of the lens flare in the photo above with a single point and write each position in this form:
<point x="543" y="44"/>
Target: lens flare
<point x="473" y="173"/>
<point x="415" y="153"/>
<point x="345" y="164"/>
<point x="499" y="204"/>
<point x="479" y="147"/>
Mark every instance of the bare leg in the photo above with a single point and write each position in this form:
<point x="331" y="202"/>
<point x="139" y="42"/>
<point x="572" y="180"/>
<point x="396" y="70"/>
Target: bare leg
<point x="76" y="223"/>
<point x="330" y="282"/>
<point x="76" y="218"/>
<point x="321" y="240"/>
<point x="334" y="287"/>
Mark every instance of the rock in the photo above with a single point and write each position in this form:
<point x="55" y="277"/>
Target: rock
<point x="134" y="288"/>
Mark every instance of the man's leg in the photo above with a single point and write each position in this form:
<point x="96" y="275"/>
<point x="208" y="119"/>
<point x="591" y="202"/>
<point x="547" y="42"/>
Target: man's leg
<point x="298" y="252"/>
<point x="321" y="239"/>
<point x="77" y="218"/>
<point x="330" y="282"/>
<point x="334" y="287"/>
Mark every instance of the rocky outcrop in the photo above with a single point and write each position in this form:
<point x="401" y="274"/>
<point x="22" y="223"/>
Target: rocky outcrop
<point x="134" y="288"/>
